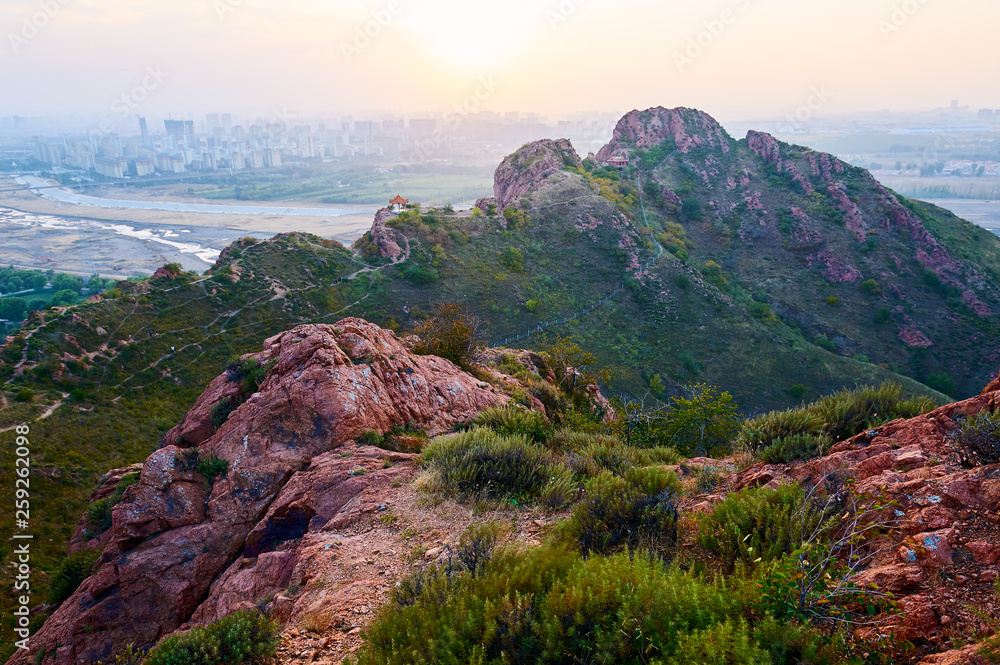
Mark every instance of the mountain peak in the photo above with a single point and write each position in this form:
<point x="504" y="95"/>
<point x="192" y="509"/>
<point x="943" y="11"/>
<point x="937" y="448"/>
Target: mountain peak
<point x="523" y="170"/>
<point x="687" y="128"/>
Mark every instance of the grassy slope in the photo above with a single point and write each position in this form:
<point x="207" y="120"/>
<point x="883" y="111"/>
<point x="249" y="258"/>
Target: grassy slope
<point x="121" y="406"/>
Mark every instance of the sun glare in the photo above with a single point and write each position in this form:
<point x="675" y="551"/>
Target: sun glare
<point x="471" y="35"/>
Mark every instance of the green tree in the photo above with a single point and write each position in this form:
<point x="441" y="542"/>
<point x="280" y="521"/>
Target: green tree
<point x="512" y="259"/>
<point x="64" y="282"/>
<point x="13" y="309"/>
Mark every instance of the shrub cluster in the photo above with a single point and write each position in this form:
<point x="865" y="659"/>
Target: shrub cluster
<point x="758" y="525"/>
<point x="452" y="333"/>
<point x="784" y="436"/>
<point x="634" y="511"/>
<point x="550" y="605"/>
<point x="483" y="463"/>
<point x="242" y="637"/>
<point x="515" y="421"/>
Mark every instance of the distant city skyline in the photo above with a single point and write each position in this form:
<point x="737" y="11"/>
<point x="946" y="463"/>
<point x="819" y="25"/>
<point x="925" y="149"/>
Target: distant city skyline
<point x="735" y="59"/>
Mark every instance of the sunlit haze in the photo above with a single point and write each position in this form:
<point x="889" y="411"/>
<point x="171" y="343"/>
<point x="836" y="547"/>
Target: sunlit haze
<point x="737" y="59"/>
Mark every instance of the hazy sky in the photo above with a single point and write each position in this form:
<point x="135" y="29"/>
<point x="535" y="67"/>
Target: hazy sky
<point x="756" y="58"/>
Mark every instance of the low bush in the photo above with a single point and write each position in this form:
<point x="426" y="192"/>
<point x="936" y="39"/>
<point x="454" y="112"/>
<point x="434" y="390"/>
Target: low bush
<point x="978" y="438"/>
<point x="757" y="525"/>
<point x="211" y="467"/>
<point x="794" y="447"/>
<point x="243" y="637"/>
<point x="804" y="432"/>
<point x="70" y="574"/>
<point x="849" y="412"/>
<point x="515" y="421"/>
<point x="484" y="464"/>
<point x="452" y="333"/>
<point x="547" y="605"/>
<point x="637" y="511"/>
<point x="98" y="517"/>
<point x="761" y="432"/>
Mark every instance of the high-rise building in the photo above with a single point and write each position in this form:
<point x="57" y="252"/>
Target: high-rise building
<point x="213" y="121"/>
<point x="179" y="128"/>
<point x="227" y="121"/>
<point x="145" y="132"/>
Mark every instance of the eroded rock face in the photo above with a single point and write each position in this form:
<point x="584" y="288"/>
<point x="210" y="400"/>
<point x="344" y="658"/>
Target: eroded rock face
<point x="523" y="171"/>
<point x="382" y="236"/>
<point x="688" y="128"/>
<point x="173" y="533"/>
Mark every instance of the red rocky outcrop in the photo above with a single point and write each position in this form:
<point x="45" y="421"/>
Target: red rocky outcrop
<point x="173" y="534"/>
<point x="942" y="553"/>
<point x="382" y="236"/>
<point x="688" y="128"/>
<point x="523" y="171"/>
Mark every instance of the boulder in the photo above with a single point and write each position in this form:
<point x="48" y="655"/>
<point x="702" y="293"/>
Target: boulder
<point x="175" y="538"/>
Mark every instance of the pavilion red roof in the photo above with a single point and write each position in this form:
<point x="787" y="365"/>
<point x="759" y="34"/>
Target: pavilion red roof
<point x="399" y="201"/>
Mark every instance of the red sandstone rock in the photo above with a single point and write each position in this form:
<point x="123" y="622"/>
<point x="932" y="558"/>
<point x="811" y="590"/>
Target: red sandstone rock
<point x="688" y="128"/>
<point x="173" y="534"/>
<point x="382" y="236"/>
<point x="523" y="171"/>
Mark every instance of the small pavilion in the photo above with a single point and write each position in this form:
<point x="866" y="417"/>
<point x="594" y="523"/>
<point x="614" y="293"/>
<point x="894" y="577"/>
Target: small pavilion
<point x="398" y="203"/>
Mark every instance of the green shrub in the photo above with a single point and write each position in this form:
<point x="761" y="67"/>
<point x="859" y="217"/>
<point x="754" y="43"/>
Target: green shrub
<point x="978" y="438"/>
<point x="835" y="417"/>
<point x="560" y="490"/>
<point x="794" y="447"/>
<point x="870" y="287"/>
<point x="515" y="421"/>
<point x="25" y="395"/>
<point x="725" y="643"/>
<point x="638" y="511"/>
<point x="452" y="333"/>
<point x="546" y="605"/>
<point x="761" y="432"/>
<point x="757" y="525"/>
<point x="370" y="438"/>
<point x="98" y="515"/>
<point x="850" y="412"/>
<point x="482" y="463"/>
<point x="242" y="637"/>
<point x="943" y="383"/>
<point x="70" y="574"/>
<point x="221" y="411"/>
<point x="211" y="466"/>
<point x="824" y="342"/>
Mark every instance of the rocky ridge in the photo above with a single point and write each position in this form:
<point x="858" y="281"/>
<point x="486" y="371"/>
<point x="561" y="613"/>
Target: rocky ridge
<point x="182" y="548"/>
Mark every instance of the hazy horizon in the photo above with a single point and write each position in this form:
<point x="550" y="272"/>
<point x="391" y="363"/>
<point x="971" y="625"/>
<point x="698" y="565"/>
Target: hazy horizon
<point x="735" y="59"/>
